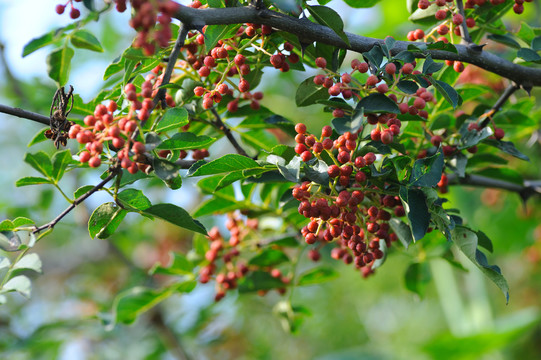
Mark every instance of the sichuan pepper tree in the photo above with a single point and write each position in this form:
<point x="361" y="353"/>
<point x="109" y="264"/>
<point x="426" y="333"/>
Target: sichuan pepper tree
<point x="370" y="182"/>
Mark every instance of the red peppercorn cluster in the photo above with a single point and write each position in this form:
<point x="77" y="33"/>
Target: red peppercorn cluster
<point x="357" y="219"/>
<point x="217" y="68"/>
<point x="451" y="20"/>
<point x="146" y="14"/>
<point x="224" y="263"/>
<point x="356" y="215"/>
<point x="104" y="126"/>
<point x="74" y="12"/>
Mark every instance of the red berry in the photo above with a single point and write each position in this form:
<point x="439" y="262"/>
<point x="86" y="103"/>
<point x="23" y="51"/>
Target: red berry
<point x="390" y="68"/>
<point x="499" y="133"/>
<point x="387" y="137"/>
<point x="441" y="14"/>
<point x="94" y="162"/>
<point x="363" y="67"/>
<point x="60" y="9"/>
<point x="321" y="62"/>
<point x="300" y="128"/>
<point x="74" y="14"/>
<point x="457" y="19"/>
<point x="419" y="34"/>
<point x="458" y="66"/>
<point x="244" y="85"/>
<point x="326" y="131"/>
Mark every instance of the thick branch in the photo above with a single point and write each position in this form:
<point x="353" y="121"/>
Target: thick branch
<point x="525" y="190"/>
<point x="309" y="32"/>
<point x="42" y="119"/>
<point x="50" y="225"/>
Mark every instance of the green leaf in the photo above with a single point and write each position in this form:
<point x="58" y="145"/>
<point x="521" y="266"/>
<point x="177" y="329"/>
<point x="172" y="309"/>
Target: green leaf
<point x="215" y="33"/>
<point x="309" y="93"/>
<point x="507" y="147"/>
<point x="414" y="203"/>
<point x="131" y="303"/>
<point x="442" y="45"/>
<point x="134" y="198"/>
<point x="227" y="163"/>
<point x="505" y="39"/>
<point x="20" y="283"/>
<point x="426" y="16"/>
<point x="427" y="172"/>
<point x="29" y="262"/>
<point x="417" y="276"/>
<point x="429" y="66"/>
<point x="330" y="18"/>
<point x="484" y="241"/>
<point x="165" y="170"/>
<point x="32" y="180"/>
<point x="215" y="206"/>
<point x="7" y="225"/>
<point x="317" y="275"/>
<point x="186" y="141"/>
<point x="536" y="43"/>
<point x="104" y="220"/>
<point x="176" y="216"/>
<point x="41" y="162"/>
<point x="83" y="39"/>
<point x="39" y="137"/>
<point x="179" y="265"/>
<point x="525" y="33"/>
<point x="351" y="124"/>
<point x="82" y="190"/>
<point x="4" y="263"/>
<point x="447" y="91"/>
<point x="378" y="103"/>
<point x="402" y="231"/>
<point x="407" y="86"/>
<point x="59" y="64"/>
<point x="361" y="3"/>
<point x="259" y="280"/>
<point x="269" y="257"/>
<point x="528" y="54"/>
<point x="21" y="221"/>
<point x="173" y="118"/>
<point x="38" y="43"/>
<point x="467" y="242"/>
<point x="60" y="160"/>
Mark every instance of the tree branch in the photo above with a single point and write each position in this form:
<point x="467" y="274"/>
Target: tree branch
<point x="42" y="119"/>
<point x="510" y="90"/>
<point x="464" y="27"/>
<point x="526" y="190"/>
<point x="179" y="43"/>
<point x="309" y="32"/>
<point x="219" y="124"/>
<point x="50" y="225"/>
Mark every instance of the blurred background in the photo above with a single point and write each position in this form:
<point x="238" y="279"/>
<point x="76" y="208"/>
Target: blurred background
<point x="462" y="315"/>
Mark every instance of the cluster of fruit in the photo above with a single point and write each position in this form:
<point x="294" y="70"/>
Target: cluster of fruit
<point x="223" y="262"/>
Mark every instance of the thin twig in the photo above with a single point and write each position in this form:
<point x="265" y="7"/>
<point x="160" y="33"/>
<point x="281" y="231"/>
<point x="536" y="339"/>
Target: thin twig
<point x="179" y="43"/>
<point x="464" y="27"/>
<point x="172" y="341"/>
<point x="219" y="124"/>
<point x="160" y="95"/>
<point x="113" y="172"/>
<point x="309" y="32"/>
<point x="42" y="119"/>
<point x="510" y="90"/>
